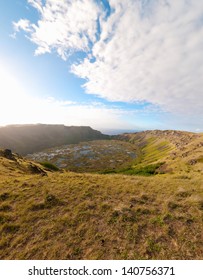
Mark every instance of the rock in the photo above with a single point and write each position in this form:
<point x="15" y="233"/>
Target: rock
<point x="8" y="154"/>
<point x="37" y="170"/>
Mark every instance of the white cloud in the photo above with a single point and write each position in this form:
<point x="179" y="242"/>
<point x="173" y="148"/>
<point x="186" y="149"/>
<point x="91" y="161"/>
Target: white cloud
<point x="153" y="55"/>
<point x="147" y="50"/>
<point x="18" y="107"/>
<point x="28" y="110"/>
<point x="66" y="26"/>
<point x="23" y="24"/>
<point x="36" y="4"/>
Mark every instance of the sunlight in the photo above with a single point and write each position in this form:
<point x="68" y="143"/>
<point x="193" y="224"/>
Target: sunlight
<point x="17" y="106"/>
<point x="12" y="97"/>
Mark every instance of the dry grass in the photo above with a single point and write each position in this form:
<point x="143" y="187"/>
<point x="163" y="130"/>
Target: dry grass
<point x="67" y="215"/>
<point x="85" y="216"/>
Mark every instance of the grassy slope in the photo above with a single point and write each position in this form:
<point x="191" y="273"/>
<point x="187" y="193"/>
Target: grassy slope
<point x="90" y="216"/>
<point x="75" y="216"/>
<point x="182" y="152"/>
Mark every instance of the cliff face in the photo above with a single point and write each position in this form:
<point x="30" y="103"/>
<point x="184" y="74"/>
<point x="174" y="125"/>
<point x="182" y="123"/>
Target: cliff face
<point x="25" y="139"/>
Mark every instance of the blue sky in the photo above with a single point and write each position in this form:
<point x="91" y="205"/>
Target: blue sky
<point x="113" y="64"/>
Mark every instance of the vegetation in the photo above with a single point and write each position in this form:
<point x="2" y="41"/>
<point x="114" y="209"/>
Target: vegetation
<point x="49" y="166"/>
<point x="147" y="170"/>
<point x="67" y="215"/>
<point x="93" y="156"/>
<point x="91" y="216"/>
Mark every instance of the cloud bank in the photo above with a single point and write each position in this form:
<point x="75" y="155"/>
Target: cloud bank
<point x="136" y="50"/>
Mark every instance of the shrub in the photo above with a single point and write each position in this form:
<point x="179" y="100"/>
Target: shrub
<point x="49" y="166"/>
<point x="145" y="170"/>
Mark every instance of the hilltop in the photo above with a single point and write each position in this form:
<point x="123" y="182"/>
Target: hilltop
<point x="46" y="214"/>
<point x="24" y="139"/>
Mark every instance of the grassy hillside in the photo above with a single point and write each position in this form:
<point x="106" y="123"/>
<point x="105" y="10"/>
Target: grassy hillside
<point x="77" y="216"/>
<point x="65" y="215"/>
<point x="142" y="153"/>
<point x="179" y="151"/>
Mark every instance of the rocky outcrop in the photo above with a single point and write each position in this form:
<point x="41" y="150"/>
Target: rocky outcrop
<point x="34" y="169"/>
<point x="7" y="154"/>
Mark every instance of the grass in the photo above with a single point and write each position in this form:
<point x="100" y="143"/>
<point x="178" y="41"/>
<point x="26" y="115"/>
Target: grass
<point x="150" y="153"/>
<point x="90" y="216"/>
<point x="200" y="159"/>
<point x="49" y="166"/>
<point x="147" y="170"/>
<point x="67" y="215"/>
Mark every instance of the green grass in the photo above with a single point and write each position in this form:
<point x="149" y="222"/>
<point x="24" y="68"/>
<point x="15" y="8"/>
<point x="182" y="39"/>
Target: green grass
<point x="154" y="151"/>
<point x="49" y="166"/>
<point x="149" y="154"/>
<point x="147" y="170"/>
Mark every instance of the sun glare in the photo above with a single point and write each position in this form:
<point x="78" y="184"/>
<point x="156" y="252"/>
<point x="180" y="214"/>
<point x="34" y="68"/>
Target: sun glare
<point x="12" y="96"/>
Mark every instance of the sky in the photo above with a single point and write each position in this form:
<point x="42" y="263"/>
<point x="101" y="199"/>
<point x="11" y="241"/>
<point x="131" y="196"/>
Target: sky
<point x="112" y="65"/>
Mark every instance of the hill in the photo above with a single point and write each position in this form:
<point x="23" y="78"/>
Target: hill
<point x="24" y="139"/>
<point x="12" y="164"/>
<point x="66" y="215"/>
<point x="179" y="151"/>
<point x="145" y="153"/>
